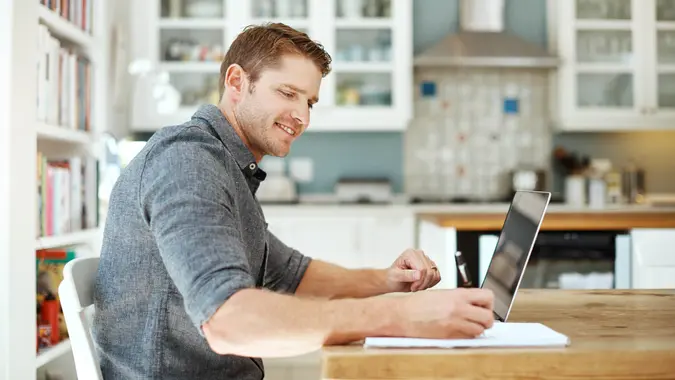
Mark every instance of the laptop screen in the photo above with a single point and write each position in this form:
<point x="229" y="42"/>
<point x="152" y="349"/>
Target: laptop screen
<point x="513" y="249"/>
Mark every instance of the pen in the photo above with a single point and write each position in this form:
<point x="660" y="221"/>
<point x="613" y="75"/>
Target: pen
<point x="463" y="270"/>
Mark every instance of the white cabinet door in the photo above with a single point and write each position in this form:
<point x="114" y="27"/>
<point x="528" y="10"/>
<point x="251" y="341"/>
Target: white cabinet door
<point x="440" y="244"/>
<point x="653" y="258"/>
<point x="603" y="78"/>
<point x="385" y="238"/>
<point x="659" y="37"/>
<point x="370" y="86"/>
<point x="618" y="64"/>
<point x="486" y="248"/>
<point x="332" y="239"/>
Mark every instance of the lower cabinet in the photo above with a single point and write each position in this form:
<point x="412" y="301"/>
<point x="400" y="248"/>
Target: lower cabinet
<point x="653" y="258"/>
<point x="352" y="240"/>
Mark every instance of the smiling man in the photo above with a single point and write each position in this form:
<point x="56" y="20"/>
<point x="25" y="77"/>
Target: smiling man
<point x="192" y="285"/>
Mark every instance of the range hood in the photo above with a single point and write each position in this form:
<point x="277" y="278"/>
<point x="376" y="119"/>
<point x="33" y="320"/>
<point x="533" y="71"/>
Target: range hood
<point x="482" y="42"/>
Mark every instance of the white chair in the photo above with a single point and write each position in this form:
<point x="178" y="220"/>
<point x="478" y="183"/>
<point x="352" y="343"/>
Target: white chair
<point x="77" y="299"/>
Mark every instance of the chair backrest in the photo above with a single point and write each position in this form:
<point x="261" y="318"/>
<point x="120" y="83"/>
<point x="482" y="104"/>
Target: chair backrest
<point x="77" y="299"/>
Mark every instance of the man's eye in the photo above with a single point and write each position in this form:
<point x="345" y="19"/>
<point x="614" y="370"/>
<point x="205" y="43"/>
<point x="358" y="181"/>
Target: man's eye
<point x="310" y="105"/>
<point x="287" y="94"/>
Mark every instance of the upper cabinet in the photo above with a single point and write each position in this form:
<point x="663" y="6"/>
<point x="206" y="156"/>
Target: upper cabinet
<point x="618" y="64"/>
<point x="177" y="47"/>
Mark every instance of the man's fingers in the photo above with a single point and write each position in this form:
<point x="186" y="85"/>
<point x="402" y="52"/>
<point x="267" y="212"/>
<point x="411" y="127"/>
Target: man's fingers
<point x="433" y="276"/>
<point x="466" y="329"/>
<point x="480" y="297"/>
<point x="479" y="315"/>
<point x="405" y="275"/>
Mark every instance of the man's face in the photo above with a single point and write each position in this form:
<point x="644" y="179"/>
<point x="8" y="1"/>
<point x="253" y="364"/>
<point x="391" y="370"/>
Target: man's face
<point x="276" y="110"/>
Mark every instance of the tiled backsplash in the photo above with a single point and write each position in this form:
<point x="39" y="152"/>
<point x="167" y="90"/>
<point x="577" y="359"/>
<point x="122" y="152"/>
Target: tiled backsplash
<point x="471" y="127"/>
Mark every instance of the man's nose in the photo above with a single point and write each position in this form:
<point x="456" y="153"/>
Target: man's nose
<point x="301" y="117"/>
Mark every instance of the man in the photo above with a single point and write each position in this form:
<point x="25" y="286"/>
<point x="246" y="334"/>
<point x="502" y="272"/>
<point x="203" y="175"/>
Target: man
<point x="192" y="285"/>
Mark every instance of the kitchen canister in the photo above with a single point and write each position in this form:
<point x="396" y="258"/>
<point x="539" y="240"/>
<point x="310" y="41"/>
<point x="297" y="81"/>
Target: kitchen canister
<point x="575" y="190"/>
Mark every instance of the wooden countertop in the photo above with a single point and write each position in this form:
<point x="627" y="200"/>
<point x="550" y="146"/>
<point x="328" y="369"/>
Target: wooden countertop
<point x="559" y="219"/>
<point x="626" y="334"/>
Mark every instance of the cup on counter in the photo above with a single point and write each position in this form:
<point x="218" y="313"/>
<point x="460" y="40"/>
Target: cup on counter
<point x="597" y="193"/>
<point x="575" y="190"/>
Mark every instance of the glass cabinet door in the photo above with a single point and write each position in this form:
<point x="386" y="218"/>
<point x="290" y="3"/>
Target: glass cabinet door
<point x="665" y="54"/>
<point x="192" y="43"/>
<point x="605" y="56"/>
<point x="294" y="13"/>
<point x="363" y="62"/>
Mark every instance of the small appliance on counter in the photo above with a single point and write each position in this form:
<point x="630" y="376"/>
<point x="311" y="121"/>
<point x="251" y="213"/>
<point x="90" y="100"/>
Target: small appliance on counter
<point x="277" y="186"/>
<point x="363" y="190"/>
<point x="528" y="179"/>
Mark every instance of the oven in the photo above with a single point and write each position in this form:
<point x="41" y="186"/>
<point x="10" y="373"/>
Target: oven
<point x="564" y="259"/>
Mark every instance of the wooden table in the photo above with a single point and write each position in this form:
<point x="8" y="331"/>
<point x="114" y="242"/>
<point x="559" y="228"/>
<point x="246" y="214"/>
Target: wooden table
<point x="615" y="334"/>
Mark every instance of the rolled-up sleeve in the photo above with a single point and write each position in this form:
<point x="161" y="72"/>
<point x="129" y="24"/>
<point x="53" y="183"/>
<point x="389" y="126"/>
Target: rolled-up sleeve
<point x="285" y="266"/>
<point x="188" y="204"/>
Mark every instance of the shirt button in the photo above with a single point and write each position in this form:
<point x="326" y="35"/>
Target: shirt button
<point x="252" y="166"/>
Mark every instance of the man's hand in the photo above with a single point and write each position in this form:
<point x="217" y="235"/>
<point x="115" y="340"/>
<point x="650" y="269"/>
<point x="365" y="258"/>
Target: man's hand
<point x="455" y="313"/>
<point x="412" y="271"/>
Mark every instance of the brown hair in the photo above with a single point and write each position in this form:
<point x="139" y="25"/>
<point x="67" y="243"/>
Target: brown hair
<point x="258" y="47"/>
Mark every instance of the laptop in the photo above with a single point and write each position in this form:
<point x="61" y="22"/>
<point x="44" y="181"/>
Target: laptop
<point x="514" y="247"/>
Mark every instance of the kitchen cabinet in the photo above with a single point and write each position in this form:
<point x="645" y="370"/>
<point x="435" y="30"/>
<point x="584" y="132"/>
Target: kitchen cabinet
<point x="182" y="43"/>
<point x="618" y="64"/>
<point x="334" y="239"/>
<point x="653" y="258"/>
<point x="440" y="244"/>
<point x="350" y="239"/>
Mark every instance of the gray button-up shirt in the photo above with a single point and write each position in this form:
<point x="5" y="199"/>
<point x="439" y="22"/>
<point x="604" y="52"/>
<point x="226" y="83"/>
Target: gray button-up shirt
<point x="184" y="232"/>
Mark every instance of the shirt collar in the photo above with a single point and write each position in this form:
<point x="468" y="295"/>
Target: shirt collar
<point x="214" y="116"/>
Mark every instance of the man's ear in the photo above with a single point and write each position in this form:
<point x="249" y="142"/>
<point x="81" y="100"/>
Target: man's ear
<point x="235" y="77"/>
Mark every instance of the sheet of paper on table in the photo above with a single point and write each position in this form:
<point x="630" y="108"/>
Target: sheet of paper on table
<point x="507" y="334"/>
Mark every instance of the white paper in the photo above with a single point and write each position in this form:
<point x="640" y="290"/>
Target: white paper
<point x="508" y="334"/>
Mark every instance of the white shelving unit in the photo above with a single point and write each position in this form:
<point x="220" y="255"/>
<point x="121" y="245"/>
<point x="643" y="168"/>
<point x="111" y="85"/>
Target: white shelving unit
<point x="26" y="130"/>
<point x="53" y="353"/>
<point x="369" y="89"/>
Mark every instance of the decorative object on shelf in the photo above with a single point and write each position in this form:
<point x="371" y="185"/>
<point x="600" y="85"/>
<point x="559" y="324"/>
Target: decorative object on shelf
<point x="51" y="328"/>
<point x="203" y="8"/>
<point x="172" y="8"/>
<point x="189" y="50"/>
<point x="152" y="81"/>
<point x="364" y="8"/>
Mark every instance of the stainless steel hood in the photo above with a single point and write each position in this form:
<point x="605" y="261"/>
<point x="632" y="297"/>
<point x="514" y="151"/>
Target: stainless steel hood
<point x="482" y="42"/>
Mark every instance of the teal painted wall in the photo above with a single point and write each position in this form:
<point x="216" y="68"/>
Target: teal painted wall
<point x="338" y="155"/>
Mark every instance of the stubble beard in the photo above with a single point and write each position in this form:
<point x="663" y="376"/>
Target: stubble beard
<point x="257" y="130"/>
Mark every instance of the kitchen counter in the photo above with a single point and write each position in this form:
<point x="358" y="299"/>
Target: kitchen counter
<point x="625" y="334"/>
<point x="489" y="216"/>
<point x="558" y="217"/>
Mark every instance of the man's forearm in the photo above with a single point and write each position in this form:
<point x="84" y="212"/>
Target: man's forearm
<point x="327" y="280"/>
<point x="260" y="323"/>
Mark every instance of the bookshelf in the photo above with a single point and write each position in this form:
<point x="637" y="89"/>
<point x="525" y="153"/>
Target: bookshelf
<point x="54" y="56"/>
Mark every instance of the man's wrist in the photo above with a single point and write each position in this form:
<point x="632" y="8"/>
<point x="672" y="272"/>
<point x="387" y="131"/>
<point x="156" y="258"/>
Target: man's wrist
<point x="355" y="319"/>
<point x="381" y="282"/>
